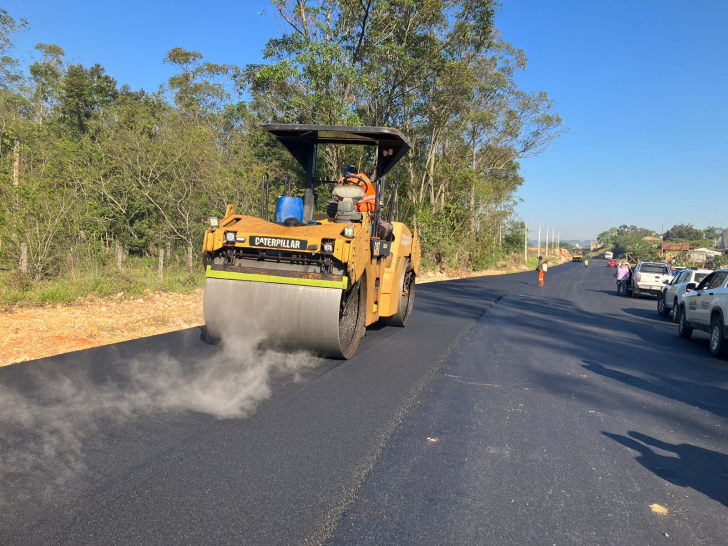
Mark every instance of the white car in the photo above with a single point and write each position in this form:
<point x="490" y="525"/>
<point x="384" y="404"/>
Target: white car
<point x="705" y="308"/>
<point x="648" y="278"/>
<point x="673" y="292"/>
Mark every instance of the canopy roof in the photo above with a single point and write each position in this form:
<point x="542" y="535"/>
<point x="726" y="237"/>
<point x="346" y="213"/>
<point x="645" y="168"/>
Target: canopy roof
<point x="301" y="140"/>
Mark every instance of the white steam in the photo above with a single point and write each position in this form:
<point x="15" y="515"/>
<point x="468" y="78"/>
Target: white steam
<point x="46" y="432"/>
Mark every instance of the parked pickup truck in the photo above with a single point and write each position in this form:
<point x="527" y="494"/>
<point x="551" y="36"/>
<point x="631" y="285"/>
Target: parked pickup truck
<point x="705" y="308"/>
<point x="648" y="278"/>
<point x="674" y="291"/>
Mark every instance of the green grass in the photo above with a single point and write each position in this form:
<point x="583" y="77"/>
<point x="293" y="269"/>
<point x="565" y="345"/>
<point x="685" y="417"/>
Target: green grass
<point x="136" y="278"/>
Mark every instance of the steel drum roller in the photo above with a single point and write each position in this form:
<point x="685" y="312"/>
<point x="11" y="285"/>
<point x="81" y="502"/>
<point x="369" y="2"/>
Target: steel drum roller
<point x="278" y="315"/>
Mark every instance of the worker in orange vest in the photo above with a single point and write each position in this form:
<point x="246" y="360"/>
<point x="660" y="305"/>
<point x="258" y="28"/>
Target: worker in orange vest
<point x="367" y="203"/>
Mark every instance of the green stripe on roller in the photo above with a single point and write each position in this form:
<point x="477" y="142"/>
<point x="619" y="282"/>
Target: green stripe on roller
<point x="231" y="275"/>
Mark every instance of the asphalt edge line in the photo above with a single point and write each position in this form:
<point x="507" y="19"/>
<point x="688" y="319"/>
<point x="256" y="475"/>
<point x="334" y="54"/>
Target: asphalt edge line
<point x="331" y="520"/>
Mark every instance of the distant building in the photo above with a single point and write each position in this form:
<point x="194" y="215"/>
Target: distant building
<point x="702" y="255"/>
<point x="672" y="251"/>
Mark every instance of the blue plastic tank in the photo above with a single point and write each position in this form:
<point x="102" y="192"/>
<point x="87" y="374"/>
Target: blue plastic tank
<point x="289" y="207"/>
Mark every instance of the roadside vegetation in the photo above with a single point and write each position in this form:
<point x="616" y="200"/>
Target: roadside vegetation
<point x="648" y="244"/>
<point x="137" y="278"/>
<point x="88" y="163"/>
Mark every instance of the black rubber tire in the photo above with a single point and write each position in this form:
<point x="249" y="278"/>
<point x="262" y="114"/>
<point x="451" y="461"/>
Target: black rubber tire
<point x="635" y="293"/>
<point x="718" y="344"/>
<point x="683" y="330"/>
<point x="406" y="299"/>
<point x="352" y="321"/>
<point x="675" y="311"/>
<point x="664" y="311"/>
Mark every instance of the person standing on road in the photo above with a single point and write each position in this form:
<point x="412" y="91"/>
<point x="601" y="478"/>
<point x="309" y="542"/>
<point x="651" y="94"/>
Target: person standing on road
<point x="622" y="274"/>
<point x="541" y="268"/>
<point x="586" y="263"/>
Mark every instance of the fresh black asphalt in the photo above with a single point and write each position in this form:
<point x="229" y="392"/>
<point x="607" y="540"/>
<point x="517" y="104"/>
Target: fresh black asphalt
<point x="505" y="413"/>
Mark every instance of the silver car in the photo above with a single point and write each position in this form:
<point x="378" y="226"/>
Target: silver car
<point x="672" y="293"/>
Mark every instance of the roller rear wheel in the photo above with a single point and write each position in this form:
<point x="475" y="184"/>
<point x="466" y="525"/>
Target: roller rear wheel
<point x="406" y="300"/>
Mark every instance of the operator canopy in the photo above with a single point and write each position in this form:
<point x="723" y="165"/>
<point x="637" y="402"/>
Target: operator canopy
<point x="301" y="141"/>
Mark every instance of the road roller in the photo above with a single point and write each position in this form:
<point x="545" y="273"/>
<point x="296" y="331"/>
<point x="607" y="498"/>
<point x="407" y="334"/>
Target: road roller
<point x="303" y="281"/>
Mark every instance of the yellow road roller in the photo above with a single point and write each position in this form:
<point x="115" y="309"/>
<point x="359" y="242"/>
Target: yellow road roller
<point x="314" y="282"/>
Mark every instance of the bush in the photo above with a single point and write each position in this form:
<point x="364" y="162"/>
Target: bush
<point x="136" y="278"/>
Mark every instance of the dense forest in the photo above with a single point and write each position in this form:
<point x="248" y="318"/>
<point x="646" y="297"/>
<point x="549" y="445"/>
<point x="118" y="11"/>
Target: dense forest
<point x="87" y="162"/>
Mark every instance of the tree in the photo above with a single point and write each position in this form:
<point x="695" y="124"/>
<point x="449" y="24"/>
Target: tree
<point x="84" y="93"/>
<point x="199" y="88"/>
<point x="685" y="232"/>
<point x="608" y="237"/>
<point x="438" y="71"/>
<point x="645" y="250"/>
<point x="100" y="162"/>
<point x="713" y="232"/>
<point x="47" y="74"/>
<point x="9" y="73"/>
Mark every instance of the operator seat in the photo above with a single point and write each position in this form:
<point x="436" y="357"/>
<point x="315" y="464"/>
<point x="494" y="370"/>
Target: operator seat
<point x="343" y="206"/>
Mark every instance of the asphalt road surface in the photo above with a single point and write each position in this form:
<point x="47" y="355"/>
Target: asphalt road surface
<point x="504" y="414"/>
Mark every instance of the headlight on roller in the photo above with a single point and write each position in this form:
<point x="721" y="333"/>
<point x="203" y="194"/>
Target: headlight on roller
<point x="230" y="236"/>
<point x="327" y="247"/>
<point x="348" y="231"/>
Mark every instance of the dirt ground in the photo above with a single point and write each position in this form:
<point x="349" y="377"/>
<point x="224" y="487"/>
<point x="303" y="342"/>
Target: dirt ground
<point x="37" y="332"/>
<point x="29" y="333"/>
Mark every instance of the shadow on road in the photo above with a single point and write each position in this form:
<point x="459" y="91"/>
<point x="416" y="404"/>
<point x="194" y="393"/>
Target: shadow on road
<point x="646" y="355"/>
<point x="686" y="392"/>
<point x="650" y="314"/>
<point x="609" y="292"/>
<point x="464" y="298"/>
<point x="702" y="469"/>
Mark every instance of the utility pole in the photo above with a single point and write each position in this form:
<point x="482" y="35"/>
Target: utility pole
<point x="547" y="240"/>
<point x="553" y="236"/>
<point x="539" y="239"/>
<point x="525" y="242"/>
<point x="558" y="244"/>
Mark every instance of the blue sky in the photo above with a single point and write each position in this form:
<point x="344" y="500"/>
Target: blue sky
<point x="641" y="85"/>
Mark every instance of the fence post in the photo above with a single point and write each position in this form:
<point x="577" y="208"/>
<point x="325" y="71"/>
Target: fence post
<point x="160" y="270"/>
<point x="16" y="163"/>
<point x="119" y="254"/>
<point x="24" y="257"/>
<point x="71" y="264"/>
